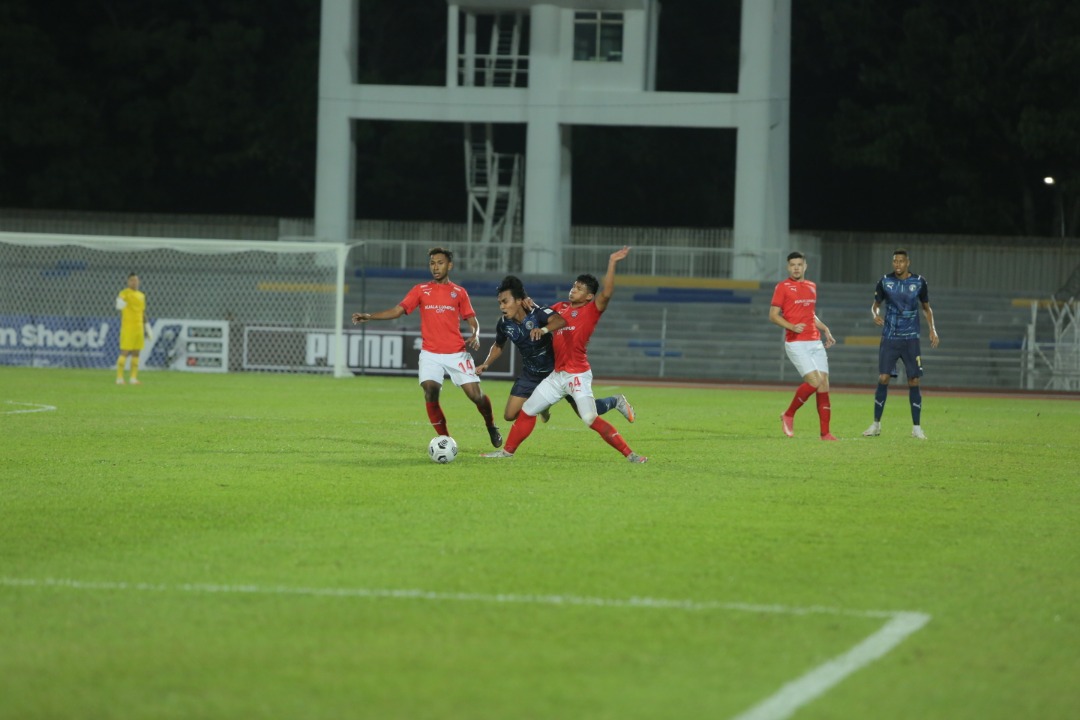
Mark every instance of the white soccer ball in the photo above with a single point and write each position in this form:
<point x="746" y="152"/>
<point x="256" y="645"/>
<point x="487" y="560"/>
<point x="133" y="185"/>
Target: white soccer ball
<point x="442" y="449"/>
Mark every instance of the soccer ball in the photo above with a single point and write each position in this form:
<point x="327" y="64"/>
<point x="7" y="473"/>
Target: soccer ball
<point x="442" y="449"/>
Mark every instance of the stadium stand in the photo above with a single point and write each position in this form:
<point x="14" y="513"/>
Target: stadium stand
<point x="723" y="334"/>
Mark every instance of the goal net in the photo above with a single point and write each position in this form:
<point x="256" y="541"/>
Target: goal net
<point x="213" y="305"/>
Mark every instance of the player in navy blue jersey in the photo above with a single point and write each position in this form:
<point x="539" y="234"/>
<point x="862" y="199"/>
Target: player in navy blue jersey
<point x="530" y="326"/>
<point x="903" y="294"/>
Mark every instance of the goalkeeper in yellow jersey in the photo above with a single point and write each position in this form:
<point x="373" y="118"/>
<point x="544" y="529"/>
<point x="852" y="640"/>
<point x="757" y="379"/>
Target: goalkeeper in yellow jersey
<point x="134" y="329"/>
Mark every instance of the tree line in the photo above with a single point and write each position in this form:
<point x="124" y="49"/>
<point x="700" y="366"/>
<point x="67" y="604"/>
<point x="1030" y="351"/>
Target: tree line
<point x="924" y="116"/>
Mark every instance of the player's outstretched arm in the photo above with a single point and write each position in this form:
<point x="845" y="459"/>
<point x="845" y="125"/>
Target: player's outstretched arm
<point x="391" y="314"/>
<point x="607" y="288"/>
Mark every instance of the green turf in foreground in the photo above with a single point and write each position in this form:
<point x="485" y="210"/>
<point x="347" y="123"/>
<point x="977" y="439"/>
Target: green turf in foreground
<point x="284" y="483"/>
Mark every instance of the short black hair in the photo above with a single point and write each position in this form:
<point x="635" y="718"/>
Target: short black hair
<point x="795" y="255"/>
<point x="590" y="282"/>
<point x="131" y="275"/>
<point x="441" y="251"/>
<point x="513" y="284"/>
<point x="900" y="251"/>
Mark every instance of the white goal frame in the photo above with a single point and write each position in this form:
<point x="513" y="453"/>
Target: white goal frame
<point x="12" y="299"/>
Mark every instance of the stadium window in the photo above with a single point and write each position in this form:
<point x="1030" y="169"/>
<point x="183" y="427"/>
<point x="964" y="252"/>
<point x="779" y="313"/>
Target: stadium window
<point x="598" y="36"/>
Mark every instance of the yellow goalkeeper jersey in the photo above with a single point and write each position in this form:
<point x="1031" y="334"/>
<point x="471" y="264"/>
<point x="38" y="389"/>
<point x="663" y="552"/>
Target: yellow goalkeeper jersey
<point x="132" y="318"/>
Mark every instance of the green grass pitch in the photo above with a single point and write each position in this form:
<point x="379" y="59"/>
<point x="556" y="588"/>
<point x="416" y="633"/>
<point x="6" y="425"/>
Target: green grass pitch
<point x="272" y="546"/>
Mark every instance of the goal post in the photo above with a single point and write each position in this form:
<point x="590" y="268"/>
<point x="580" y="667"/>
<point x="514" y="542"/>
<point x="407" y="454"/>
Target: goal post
<point x="213" y="305"/>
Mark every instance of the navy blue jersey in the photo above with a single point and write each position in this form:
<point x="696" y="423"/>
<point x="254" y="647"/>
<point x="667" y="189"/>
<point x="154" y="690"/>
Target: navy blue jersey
<point x="537" y="356"/>
<point x="902" y="300"/>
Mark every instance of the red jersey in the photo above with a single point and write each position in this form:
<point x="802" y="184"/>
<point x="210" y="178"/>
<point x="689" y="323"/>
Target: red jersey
<point x="572" y="341"/>
<point x="442" y="308"/>
<point x="797" y="302"/>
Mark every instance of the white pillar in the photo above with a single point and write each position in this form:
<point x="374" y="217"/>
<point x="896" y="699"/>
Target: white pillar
<point x="336" y="152"/>
<point x="545" y="216"/>
<point x="762" y="155"/>
<point x="452" y="16"/>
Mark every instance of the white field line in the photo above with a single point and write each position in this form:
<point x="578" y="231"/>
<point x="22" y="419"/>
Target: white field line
<point x="35" y="407"/>
<point x="784" y="702"/>
<point x="781" y="704"/>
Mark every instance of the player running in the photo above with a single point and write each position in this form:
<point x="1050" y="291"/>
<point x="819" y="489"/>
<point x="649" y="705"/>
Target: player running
<point x="443" y="305"/>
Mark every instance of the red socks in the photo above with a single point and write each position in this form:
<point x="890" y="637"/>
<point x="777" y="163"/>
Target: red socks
<point x="438" y="420"/>
<point x="802" y="394"/>
<point x="611" y="435"/>
<point x="525" y="423"/>
<point x="824" y="411"/>
<point x="520" y="430"/>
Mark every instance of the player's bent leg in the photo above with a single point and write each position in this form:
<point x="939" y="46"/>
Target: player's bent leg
<point x="606" y="404"/>
<point x="519" y="432"/>
<point x="513" y="407"/>
<point x="787" y="420"/>
<point x="483" y="405"/>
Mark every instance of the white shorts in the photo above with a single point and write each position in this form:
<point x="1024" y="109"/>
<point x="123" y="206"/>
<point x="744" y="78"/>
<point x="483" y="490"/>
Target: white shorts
<point x="807" y="356"/>
<point x="558" y="385"/>
<point x="459" y="366"/>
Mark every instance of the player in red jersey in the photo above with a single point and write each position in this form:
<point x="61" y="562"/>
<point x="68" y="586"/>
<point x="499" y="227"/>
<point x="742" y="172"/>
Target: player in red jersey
<point x="443" y="305"/>
<point x="573" y="375"/>
<point x="793" y="308"/>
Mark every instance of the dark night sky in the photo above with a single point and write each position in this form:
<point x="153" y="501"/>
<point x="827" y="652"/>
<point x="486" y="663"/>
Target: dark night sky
<point x="927" y="117"/>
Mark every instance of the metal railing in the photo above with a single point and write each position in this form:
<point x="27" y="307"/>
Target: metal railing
<point x="660" y="261"/>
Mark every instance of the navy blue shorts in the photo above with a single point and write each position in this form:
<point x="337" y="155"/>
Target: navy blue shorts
<point x="906" y="351"/>
<point x="524" y="385"/>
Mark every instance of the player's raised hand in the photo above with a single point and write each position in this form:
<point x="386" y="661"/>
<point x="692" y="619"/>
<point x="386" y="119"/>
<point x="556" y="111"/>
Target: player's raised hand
<point x="358" y="318"/>
<point x="620" y="254"/>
